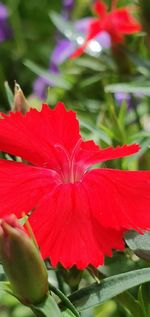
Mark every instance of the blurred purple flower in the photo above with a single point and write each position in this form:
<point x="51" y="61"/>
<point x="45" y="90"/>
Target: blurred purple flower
<point x="82" y="25"/>
<point x="3" y="12"/>
<point x="104" y="39"/>
<point x="64" y="48"/>
<point x="67" y="8"/>
<point x="68" y="4"/>
<point x="5" y="30"/>
<point x="131" y="100"/>
<point x="120" y="97"/>
<point x="61" y="52"/>
<point x="41" y="84"/>
<point x="39" y="87"/>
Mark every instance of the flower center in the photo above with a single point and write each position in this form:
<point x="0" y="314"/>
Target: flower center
<point x="69" y="166"/>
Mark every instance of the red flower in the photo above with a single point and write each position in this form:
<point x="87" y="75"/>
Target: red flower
<point x="117" y="23"/>
<point x="78" y="213"/>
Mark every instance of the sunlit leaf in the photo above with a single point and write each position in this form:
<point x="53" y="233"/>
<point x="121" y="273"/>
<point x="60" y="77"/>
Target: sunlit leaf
<point x="9" y="94"/>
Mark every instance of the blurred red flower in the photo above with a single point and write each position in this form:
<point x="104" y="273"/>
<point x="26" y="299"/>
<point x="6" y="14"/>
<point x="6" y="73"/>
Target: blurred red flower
<point x="117" y="23"/>
<point x="79" y="213"/>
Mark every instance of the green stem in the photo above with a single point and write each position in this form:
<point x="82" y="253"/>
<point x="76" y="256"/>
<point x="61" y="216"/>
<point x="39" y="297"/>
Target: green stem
<point x="64" y="299"/>
<point x="95" y="273"/>
<point x="136" y="113"/>
<point x="113" y="116"/>
<point x="60" y="282"/>
<point x="17" y="27"/>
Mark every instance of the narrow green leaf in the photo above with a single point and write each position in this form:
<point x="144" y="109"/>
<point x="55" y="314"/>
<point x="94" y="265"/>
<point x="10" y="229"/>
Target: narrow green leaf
<point x="58" y="80"/>
<point x="65" y="300"/>
<point x="47" y="308"/>
<point x="65" y="27"/>
<point x="96" y="294"/>
<point x="9" y="94"/>
<point x="90" y="80"/>
<point x="139" y="135"/>
<point x="97" y="132"/>
<point x="108" y="132"/>
<point x="90" y="63"/>
<point x="141" y="301"/>
<point x="122" y="113"/>
<point x="133" y="88"/>
<point x="139" y="243"/>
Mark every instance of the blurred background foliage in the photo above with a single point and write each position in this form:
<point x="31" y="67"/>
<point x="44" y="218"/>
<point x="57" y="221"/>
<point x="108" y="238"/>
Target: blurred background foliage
<point x="111" y="95"/>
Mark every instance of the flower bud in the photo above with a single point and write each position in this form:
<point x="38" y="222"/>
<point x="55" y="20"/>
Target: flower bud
<point x="22" y="262"/>
<point x="20" y="102"/>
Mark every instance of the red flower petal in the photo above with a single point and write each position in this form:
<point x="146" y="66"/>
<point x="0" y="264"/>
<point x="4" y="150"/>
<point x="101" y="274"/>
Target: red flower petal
<point x="90" y="153"/>
<point x="22" y="187"/>
<point x="100" y="8"/>
<point x="33" y="135"/>
<point x="70" y="234"/>
<point x="119" y="199"/>
<point x="117" y="23"/>
<point x="123" y="22"/>
<point x="78" y="216"/>
<point x="79" y="51"/>
<point x="94" y="29"/>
